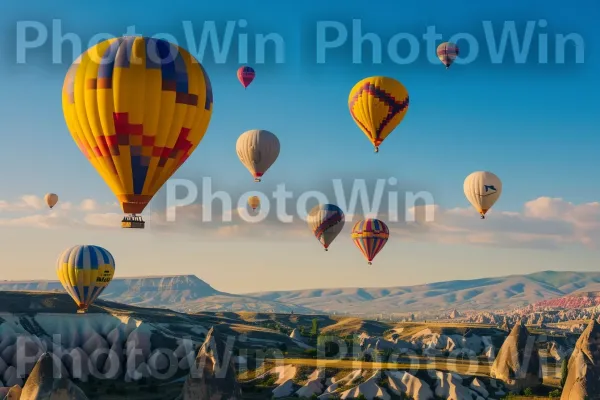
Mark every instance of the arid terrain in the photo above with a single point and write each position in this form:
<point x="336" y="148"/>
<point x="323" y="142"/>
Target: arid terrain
<point x="118" y="351"/>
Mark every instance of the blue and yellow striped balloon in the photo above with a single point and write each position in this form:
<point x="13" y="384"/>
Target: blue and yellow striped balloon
<point x="85" y="271"/>
<point x="137" y="107"/>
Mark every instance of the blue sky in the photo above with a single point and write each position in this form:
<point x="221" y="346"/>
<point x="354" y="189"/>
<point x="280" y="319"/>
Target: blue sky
<point x="532" y="124"/>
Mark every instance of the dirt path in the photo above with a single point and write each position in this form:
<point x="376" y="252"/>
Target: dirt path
<point x="462" y="367"/>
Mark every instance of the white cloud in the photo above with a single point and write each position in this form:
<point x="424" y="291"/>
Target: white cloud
<point x="64" y="206"/>
<point x="542" y="223"/>
<point x="104" y="220"/>
<point x="41" y="220"/>
<point x="24" y="203"/>
<point x="88" y="205"/>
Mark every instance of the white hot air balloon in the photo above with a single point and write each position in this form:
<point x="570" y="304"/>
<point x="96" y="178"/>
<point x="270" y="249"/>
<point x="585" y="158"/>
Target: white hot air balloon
<point x="482" y="189"/>
<point x="257" y="149"/>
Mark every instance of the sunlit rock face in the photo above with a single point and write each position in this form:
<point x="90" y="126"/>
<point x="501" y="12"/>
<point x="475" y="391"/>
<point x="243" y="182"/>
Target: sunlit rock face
<point x="583" y="380"/>
<point x="517" y="363"/>
<point x="213" y="377"/>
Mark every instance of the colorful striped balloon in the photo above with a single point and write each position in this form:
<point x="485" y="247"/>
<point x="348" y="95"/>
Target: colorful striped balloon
<point x="246" y="75"/>
<point x="447" y="53"/>
<point x="326" y="221"/>
<point x="85" y="271"/>
<point x="370" y="235"/>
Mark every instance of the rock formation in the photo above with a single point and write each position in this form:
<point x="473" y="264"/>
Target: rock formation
<point x="48" y="381"/>
<point x="295" y="335"/>
<point x="213" y="377"/>
<point x="517" y="363"/>
<point x="583" y="380"/>
<point x="14" y="393"/>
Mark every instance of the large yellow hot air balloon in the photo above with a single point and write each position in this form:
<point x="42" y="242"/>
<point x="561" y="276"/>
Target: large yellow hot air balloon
<point x="377" y="105"/>
<point x="137" y="107"/>
<point x="85" y="271"/>
<point x="51" y="199"/>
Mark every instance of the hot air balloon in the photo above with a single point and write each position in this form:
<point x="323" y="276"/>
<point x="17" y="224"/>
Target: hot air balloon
<point x="257" y="149"/>
<point x="137" y="107"/>
<point x="377" y="105"/>
<point x="370" y="235"/>
<point x="51" y="199"/>
<point x="85" y="271"/>
<point x="246" y="76"/>
<point x="326" y="221"/>
<point x="482" y="189"/>
<point x="254" y="202"/>
<point x="447" y="53"/>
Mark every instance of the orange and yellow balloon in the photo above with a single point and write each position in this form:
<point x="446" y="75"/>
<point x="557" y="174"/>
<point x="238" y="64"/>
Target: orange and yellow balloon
<point x="137" y="107"/>
<point x="377" y="105"/>
<point x="254" y="202"/>
<point x="51" y="199"/>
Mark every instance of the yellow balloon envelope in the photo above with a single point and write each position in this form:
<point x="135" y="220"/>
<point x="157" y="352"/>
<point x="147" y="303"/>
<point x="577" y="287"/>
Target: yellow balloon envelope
<point x="137" y="108"/>
<point x="254" y="202"/>
<point x="377" y="105"/>
<point x="85" y="271"/>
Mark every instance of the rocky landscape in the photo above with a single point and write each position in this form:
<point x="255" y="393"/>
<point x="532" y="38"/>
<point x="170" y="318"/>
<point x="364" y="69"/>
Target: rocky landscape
<point x="125" y="352"/>
<point x="546" y="348"/>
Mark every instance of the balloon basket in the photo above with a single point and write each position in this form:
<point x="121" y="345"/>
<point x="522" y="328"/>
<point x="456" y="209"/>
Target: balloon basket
<point x="326" y="249"/>
<point x="370" y="263"/>
<point x="81" y="310"/>
<point x="256" y="179"/>
<point x="133" y="222"/>
<point x="483" y="217"/>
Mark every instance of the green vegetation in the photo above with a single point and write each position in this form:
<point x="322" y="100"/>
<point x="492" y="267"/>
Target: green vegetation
<point x="269" y="381"/>
<point x="555" y="394"/>
<point x="315" y="327"/>
<point x="528" y="392"/>
<point x="310" y="353"/>
<point x="564" y="371"/>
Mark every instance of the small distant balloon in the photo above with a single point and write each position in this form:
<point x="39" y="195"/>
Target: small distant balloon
<point x="246" y="75"/>
<point x="482" y="189"/>
<point x="51" y="199"/>
<point x="447" y="53"/>
<point x="254" y="202"/>
<point x="370" y="235"/>
<point x="326" y="221"/>
<point x="257" y="149"/>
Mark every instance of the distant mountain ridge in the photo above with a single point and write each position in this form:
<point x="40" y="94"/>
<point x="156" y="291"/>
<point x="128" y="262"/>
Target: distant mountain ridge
<point x="188" y="293"/>
<point x="478" y="294"/>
